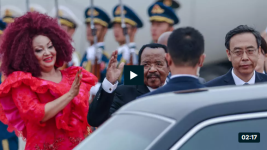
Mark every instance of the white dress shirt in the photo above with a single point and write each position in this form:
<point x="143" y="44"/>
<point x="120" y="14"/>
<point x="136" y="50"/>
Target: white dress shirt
<point x="106" y="85"/>
<point x="109" y="87"/>
<point x="238" y="81"/>
<point x="151" y="89"/>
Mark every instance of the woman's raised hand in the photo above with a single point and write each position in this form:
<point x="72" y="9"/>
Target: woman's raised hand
<point x="75" y="87"/>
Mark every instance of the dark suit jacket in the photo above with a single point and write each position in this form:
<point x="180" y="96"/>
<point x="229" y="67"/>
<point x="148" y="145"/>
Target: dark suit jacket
<point x="105" y="104"/>
<point x="201" y="80"/>
<point x="228" y="79"/>
<point x="178" y="84"/>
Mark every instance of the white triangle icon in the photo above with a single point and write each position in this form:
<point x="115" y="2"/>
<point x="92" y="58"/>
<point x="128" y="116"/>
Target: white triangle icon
<point x="132" y="75"/>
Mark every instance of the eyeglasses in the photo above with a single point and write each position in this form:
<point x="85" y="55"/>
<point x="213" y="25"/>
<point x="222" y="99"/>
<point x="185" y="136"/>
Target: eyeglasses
<point x="239" y="53"/>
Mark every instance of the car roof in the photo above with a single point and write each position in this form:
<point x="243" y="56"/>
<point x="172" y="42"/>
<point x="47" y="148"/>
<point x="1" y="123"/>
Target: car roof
<point x="177" y="105"/>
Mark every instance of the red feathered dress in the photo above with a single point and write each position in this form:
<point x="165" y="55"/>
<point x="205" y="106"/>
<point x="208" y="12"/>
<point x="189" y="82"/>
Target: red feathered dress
<point x="22" y="106"/>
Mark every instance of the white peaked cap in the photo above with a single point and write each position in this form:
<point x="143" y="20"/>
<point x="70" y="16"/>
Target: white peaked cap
<point x="13" y="10"/>
<point x="65" y="12"/>
<point x="38" y="8"/>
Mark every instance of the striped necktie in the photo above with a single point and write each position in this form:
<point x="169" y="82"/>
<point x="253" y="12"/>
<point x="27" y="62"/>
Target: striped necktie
<point x="245" y="84"/>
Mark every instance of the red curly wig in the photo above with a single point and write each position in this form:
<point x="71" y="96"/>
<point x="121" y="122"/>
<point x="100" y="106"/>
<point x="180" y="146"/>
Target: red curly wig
<point x="16" y="48"/>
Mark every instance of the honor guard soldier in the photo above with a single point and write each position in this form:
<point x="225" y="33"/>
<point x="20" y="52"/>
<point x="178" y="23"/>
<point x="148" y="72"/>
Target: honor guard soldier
<point x="127" y="52"/>
<point x="9" y="141"/>
<point x="37" y="8"/>
<point x="162" y="18"/>
<point x="102" y="23"/>
<point x="10" y="12"/>
<point x="95" y="59"/>
<point x="69" y="22"/>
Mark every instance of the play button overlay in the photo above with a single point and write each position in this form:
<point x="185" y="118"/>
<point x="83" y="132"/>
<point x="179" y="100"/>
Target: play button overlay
<point x="133" y="75"/>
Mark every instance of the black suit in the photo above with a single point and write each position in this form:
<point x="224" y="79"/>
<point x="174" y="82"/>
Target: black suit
<point x="105" y="104"/>
<point x="201" y="80"/>
<point x="228" y="79"/>
<point x="178" y="84"/>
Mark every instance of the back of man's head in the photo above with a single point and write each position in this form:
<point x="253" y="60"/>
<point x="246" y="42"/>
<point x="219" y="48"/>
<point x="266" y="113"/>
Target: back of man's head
<point x="185" y="46"/>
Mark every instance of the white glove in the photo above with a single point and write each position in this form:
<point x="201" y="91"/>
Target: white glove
<point x="127" y="53"/>
<point x="92" y="53"/>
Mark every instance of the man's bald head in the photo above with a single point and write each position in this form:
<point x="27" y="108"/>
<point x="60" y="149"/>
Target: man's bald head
<point x="163" y="39"/>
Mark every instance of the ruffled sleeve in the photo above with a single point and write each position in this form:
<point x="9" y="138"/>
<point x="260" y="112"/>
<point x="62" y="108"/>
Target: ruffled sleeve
<point x="28" y="104"/>
<point x="19" y="102"/>
<point x="88" y="79"/>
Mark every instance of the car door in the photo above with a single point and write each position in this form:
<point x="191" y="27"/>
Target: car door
<point x="224" y="133"/>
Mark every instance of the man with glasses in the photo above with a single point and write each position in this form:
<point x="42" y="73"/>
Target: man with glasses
<point x="243" y="50"/>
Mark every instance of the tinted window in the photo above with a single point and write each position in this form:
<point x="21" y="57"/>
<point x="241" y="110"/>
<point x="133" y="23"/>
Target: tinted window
<point x="225" y="136"/>
<point x="126" y="132"/>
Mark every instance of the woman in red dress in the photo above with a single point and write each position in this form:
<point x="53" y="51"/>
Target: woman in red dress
<point x="45" y="105"/>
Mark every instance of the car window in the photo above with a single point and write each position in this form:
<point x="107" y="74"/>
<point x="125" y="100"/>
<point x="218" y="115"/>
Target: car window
<point x="126" y="132"/>
<point x="224" y="136"/>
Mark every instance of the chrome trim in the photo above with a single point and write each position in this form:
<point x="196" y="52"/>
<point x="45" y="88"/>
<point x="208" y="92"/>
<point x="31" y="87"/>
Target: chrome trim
<point x="206" y="123"/>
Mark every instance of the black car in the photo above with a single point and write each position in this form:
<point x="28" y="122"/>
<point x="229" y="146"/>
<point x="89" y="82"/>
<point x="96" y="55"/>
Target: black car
<point x="224" y="118"/>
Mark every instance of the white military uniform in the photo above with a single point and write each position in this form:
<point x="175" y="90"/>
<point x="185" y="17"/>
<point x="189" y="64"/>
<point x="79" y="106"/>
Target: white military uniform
<point x="68" y="18"/>
<point x="9" y="12"/>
